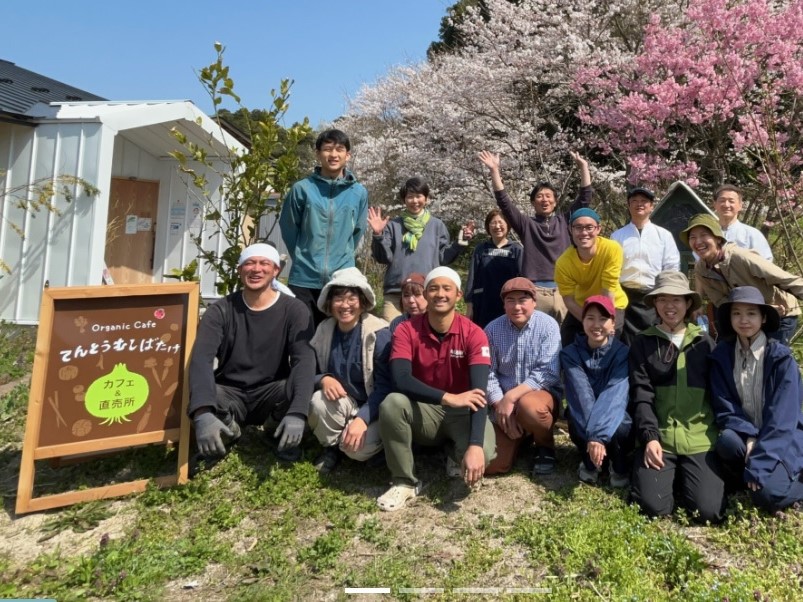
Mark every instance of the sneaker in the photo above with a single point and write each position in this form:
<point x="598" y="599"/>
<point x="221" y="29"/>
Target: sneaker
<point x="620" y="480"/>
<point x="236" y="433"/>
<point x="327" y="460"/>
<point x="453" y="469"/>
<point x="397" y="497"/>
<point x="544" y="461"/>
<point x="586" y="475"/>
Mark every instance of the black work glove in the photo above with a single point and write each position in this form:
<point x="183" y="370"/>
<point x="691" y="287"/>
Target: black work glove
<point x="291" y="429"/>
<point x="208" y="428"/>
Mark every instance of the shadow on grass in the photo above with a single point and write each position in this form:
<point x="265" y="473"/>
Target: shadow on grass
<point x="76" y="473"/>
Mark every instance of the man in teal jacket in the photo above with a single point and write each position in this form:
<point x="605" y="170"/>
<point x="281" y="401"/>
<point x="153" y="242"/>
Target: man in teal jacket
<point x="322" y="220"/>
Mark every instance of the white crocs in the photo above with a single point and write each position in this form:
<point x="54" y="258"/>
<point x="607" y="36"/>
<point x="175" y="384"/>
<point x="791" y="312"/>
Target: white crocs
<point x="397" y="496"/>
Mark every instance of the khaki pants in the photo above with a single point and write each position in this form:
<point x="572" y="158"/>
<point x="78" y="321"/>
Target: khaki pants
<point x="403" y="422"/>
<point x="391" y="307"/>
<point x="535" y="413"/>
<point x="327" y="419"/>
<point x="550" y="301"/>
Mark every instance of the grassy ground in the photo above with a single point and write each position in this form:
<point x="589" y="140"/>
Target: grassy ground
<point x="253" y="529"/>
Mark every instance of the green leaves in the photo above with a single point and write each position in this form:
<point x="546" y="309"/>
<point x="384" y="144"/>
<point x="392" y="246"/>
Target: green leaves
<point x="268" y="166"/>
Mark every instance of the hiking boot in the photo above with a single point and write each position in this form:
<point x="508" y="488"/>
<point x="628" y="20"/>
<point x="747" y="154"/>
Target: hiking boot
<point x="453" y="469"/>
<point x="586" y="475"/>
<point x="397" y="497"/>
<point x="327" y="460"/>
<point x="544" y="461"/>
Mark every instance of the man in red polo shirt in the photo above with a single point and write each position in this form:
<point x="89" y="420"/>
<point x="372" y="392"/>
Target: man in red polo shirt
<point x="440" y="363"/>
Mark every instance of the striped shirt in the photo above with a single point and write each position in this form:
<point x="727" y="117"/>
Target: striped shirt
<point x="529" y="356"/>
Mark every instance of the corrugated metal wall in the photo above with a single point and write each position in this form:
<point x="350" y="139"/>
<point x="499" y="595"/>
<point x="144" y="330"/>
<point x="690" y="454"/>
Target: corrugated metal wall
<point x="55" y="248"/>
<point x="59" y="249"/>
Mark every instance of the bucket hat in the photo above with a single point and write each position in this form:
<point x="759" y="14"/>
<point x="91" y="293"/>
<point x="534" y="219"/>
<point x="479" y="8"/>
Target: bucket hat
<point x="350" y="277"/>
<point x="751" y="295"/>
<point x="707" y="221"/>
<point x="673" y="283"/>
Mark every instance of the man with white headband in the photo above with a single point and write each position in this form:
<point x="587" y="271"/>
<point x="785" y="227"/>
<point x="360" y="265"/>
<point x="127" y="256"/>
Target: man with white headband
<point x="439" y="362"/>
<point x="266" y="368"/>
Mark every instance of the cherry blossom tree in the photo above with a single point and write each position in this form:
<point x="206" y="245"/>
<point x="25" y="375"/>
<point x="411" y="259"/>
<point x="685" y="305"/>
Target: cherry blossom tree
<point x="506" y="89"/>
<point x="713" y="98"/>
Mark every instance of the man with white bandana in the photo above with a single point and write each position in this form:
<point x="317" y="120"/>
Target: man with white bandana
<point x="440" y="363"/>
<point x="259" y="336"/>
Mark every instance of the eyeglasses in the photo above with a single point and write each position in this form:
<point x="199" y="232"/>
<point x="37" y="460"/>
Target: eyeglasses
<point x="346" y="300"/>
<point x="586" y="228"/>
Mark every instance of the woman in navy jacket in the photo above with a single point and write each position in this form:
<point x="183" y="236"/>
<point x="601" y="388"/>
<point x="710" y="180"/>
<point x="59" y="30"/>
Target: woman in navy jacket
<point x="757" y="389"/>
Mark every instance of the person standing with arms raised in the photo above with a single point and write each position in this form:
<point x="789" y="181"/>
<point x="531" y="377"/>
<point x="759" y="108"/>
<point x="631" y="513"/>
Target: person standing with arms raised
<point x="546" y="234"/>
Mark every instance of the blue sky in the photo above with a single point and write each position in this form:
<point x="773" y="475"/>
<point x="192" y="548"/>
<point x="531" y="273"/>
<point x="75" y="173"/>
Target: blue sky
<point x="148" y="50"/>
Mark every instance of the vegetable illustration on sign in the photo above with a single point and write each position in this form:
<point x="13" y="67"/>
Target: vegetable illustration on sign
<point x="116" y="395"/>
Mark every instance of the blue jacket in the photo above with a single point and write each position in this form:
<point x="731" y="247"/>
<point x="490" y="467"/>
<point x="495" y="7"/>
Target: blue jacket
<point x="596" y="387"/>
<point x="780" y="438"/>
<point x="322" y="222"/>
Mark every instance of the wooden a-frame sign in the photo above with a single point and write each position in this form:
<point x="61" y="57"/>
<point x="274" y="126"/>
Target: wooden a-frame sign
<point x="110" y="372"/>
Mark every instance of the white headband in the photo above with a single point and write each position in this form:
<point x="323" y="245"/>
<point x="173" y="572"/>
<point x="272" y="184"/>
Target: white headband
<point x="260" y="250"/>
<point x="443" y="272"/>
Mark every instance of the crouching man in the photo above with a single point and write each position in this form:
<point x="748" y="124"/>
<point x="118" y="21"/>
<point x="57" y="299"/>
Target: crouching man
<point x="266" y="367"/>
<point x="524" y="388"/>
<point x="439" y="362"/>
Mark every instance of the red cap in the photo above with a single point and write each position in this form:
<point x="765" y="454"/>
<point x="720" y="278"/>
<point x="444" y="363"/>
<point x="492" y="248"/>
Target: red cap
<point x="414" y="278"/>
<point x="604" y="302"/>
<point x="519" y="284"/>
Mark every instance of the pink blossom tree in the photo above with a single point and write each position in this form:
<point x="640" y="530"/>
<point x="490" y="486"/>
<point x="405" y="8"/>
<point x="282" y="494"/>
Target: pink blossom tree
<point x="713" y="98"/>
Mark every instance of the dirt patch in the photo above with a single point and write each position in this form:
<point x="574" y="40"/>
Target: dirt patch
<point x="24" y="536"/>
<point x="8" y="387"/>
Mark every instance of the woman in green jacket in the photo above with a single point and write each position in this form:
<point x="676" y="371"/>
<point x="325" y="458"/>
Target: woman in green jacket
<point x="672" y="416"/>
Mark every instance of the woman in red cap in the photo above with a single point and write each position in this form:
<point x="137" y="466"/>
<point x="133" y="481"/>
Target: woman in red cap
<point x="595" y="372"/>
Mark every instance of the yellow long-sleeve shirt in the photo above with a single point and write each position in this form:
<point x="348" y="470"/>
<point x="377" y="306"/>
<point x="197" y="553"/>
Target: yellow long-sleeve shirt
<point x="582" y="280"/>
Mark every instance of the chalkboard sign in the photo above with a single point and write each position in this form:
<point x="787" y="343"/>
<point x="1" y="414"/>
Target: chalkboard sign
<point x="110" y="373"/>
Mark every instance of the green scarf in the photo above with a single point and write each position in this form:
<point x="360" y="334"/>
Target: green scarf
<point x="414" y="226"/>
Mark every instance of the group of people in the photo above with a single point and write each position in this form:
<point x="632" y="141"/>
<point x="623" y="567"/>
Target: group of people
<point x="606" y="324"/>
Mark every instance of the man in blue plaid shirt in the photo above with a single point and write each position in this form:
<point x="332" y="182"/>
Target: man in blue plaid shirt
<point x="524" y="389"/>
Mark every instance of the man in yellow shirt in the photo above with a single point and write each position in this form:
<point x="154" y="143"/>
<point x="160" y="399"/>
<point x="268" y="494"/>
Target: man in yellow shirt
<point x="591" y="266"/>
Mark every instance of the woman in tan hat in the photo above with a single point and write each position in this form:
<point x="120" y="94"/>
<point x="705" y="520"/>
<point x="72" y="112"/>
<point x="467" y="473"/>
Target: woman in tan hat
<point x="352" y="348"/>
<point x="672" y="416"/>
<point x="723" y="266"/>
